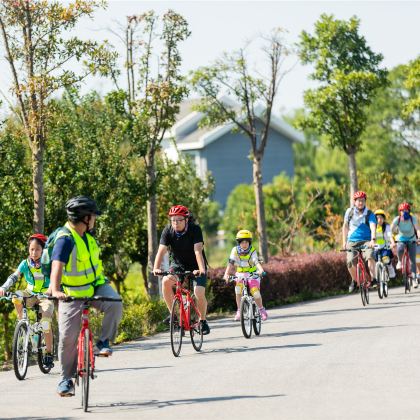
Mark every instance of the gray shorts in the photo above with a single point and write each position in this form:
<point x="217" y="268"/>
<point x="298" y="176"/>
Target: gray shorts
<point x="367" y="253"/>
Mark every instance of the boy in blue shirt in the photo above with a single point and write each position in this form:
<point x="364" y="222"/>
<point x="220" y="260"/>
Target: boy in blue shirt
<point x="359" y="228"/>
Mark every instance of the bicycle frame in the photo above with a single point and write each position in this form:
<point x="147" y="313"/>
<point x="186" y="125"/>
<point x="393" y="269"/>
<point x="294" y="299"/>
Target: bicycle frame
<point x="180" y="292"/>
<point x="365" y="280"/>
<point x="81" y="370"/>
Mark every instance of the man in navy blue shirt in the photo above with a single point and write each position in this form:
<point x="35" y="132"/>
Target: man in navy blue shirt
<point x="359" y="228"/>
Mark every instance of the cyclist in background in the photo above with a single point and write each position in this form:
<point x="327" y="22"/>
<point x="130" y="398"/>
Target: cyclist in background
<point x="77" y="267"/>
<point x="184" y="240"/>
<point x="407" y="229"/>
<point x="383" y="240"/>
<point x="36" y="282"/>
<point x="244" y="256"/>
<point x="359" y="228"/>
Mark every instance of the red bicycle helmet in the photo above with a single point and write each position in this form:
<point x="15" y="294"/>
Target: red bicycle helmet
<point x="178" y="210"/>
<point x="404" y="207"/>
<point x="42" y="238"/>
<point x="359" y="194"/>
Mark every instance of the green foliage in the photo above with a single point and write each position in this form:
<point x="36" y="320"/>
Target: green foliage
<point x="412" y="84"/>
<point x="297" y="211"/>
<point x="348" y="73"/>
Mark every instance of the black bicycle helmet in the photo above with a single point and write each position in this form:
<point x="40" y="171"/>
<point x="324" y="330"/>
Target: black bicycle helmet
<point x="79" y="207"/>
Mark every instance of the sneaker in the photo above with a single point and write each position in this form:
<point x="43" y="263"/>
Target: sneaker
<point x="103" y="349"/>
<point x="398" y="265"/>
<point x="205" y="327"/>
<point x="65" y="388"/>
<point x="263" y="314"/>
<point x="351" y="287"/>
<point x="374" y="283"/>
<point x="415" y="282"/>
<point x="48" y="360"/>
<point x="237" y="315"/>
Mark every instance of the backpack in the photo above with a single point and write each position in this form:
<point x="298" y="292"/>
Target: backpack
<point x="49" y="245"/>
<point x="369" y="212"/>
<point x="411" y="219"/>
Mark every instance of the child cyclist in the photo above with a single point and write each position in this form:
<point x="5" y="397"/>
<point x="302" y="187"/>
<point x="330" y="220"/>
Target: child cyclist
<point x="30" y="269"/>
<point x="244" y="256"/>
<point x="383" y="240"/>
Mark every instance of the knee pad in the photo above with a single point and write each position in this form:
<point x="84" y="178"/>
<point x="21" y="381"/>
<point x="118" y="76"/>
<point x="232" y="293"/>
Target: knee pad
<point x="46" y="324"/>
<point x="238" y="289"/>
<point x="256" y="293"/>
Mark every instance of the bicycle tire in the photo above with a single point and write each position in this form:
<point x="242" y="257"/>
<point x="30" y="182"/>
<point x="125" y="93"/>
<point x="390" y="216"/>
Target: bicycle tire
<point x="256" y="321"/>
<point x="196" y="331"/>
<point x="386" y="280"/>
<point x="41" y="353"/>
<point x="176" y="327"/>
<point x="406" y="283"/>
<point x="20" y="350"/>
<point x="380" y="278"/>
<point x="366" y="291"/>
<point x="86" y="370"/>
<point x="359" y="281"/>
<point x="246" y="318"/>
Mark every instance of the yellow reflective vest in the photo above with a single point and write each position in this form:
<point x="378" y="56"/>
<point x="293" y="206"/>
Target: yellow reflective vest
<point x="83" y="271"/>
<point x="247" y="258"/>
<point x="36" y="281"/>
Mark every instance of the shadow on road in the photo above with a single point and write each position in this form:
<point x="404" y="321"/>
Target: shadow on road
<point x="132" y="368"/>
<point x="132" y="405"/>
<point x="251" y="349"/>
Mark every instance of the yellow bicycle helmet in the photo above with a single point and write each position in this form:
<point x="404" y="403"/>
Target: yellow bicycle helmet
<point x="380" y="212"/>
<point x="244" y="234"/>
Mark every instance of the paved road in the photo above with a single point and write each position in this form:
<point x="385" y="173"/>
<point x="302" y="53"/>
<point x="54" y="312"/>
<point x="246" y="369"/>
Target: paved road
<point x="325" y="359"/>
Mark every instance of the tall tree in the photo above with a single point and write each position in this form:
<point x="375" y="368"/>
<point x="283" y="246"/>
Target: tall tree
<point x="41" y="58"/>
<point x="348" y="73"/>
<point x="250" y="109"/>
<point x="155" y="90"/>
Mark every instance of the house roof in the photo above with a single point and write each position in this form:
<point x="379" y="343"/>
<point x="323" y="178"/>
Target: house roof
<point x="200" y="137"/>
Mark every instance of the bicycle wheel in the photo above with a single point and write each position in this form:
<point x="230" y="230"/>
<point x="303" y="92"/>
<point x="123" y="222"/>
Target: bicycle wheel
<point x="366" y="292"/>
<point x="407" y="283"/>
<point x="196" y="332"/>
<point x="86" y="371"/>
<point x="246" y="318"/>
<point x="176" y="327"/>
<point x="41" y="353"/>
<point x="21" y="350"/>
<point x="256" y="322"/>
<point x="385" y="275"/>
<point x="360" y="280"/>
<point x="379" y="273"/>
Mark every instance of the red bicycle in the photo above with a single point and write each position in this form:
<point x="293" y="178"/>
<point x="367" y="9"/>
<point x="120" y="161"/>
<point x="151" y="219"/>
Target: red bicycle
<point x="85" y="355"/>
<point x="185" y="315"/>
<point x="363" y="279"/>
<point x="406" y="266"/>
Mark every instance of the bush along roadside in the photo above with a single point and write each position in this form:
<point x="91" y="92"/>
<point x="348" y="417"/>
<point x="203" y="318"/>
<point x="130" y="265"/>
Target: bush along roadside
<point x="290" y="279"/>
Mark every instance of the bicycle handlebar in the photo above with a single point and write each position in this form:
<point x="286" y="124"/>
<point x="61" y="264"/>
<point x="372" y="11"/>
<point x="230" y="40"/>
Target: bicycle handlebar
<point x="178" y="273"/>
<point x="11" y="295"/>
<point x="87" y="299"/>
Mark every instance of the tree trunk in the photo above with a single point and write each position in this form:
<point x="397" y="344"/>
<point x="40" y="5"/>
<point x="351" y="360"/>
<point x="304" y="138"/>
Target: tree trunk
<point x="144" y="275"/>
<point x="353" y="175"/>
<point x="259" y="203"/>
<point x="38" y="186"/>
<point x="152" y="283"/>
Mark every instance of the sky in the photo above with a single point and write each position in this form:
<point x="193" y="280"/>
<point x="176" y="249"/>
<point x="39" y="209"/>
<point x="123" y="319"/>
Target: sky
<point x="390" y="27"/>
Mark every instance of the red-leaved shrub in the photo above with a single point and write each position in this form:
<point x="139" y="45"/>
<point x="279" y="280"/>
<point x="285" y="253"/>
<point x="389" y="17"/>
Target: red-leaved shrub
<point x="307" y="275"/>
